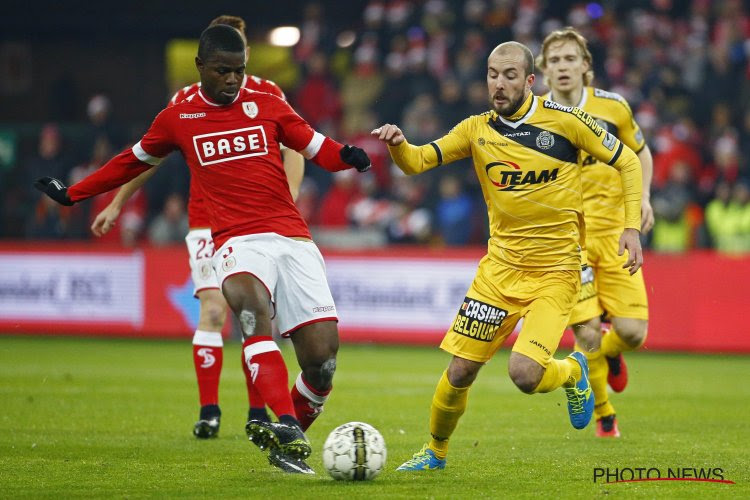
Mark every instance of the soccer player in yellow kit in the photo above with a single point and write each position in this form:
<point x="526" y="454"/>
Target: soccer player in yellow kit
<point x="525" y="154"/>
<point x="566" y="62"/>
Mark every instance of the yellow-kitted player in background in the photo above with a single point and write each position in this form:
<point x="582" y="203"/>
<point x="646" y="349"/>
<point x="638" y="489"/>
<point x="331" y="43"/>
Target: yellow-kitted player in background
<point x="525" y="154"/>
<point x="566" y="62"/>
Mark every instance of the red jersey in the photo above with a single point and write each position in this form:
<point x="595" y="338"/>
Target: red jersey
<point x="234" y="156"/>
<point x="197" y="216"/>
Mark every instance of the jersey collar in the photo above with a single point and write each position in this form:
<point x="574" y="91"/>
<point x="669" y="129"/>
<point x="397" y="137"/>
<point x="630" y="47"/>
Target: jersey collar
<point x="211" y="103"/>
<point x="584" y="97"/>
<point x="523" y="114"/>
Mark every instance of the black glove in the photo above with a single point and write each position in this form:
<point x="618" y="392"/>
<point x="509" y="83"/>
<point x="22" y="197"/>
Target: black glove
<point x="55" y="189"/>
<point x="355" y="157"/>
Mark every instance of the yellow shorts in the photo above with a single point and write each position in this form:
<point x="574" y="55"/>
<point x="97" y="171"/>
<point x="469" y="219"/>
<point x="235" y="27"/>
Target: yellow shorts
<point x="498" y="297"/>
<point x="611" y="288"/>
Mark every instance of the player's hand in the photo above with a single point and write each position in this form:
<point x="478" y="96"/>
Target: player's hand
<point x="105" y="220"/>
<point x="390" y="134"/>
<point x="55" y="189"/>
<point x="631" y="241"/>
<point x="356" y="157"/>
<point x="647" y="215"/>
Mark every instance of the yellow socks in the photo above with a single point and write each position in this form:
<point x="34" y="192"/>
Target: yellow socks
<point x="598" y="379"/>
<point x="448" y="404"/>
<point x="613" y="345"/>
<point x="559" y="372"/>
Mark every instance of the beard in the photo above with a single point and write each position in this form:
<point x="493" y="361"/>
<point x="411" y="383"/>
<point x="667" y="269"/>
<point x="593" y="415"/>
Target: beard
<point x="511" y="107"/>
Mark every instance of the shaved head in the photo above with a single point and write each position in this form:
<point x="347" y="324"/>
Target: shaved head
<point x="509" y="48"/>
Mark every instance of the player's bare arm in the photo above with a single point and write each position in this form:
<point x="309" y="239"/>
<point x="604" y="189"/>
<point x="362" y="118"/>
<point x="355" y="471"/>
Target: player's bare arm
<point x="105" y="220"/>
<point x="631" y="241"/>
<point x="294" y="166"/>
<point x="647" y="213"/>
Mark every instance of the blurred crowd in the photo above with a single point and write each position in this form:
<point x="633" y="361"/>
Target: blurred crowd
<point x="684" y="66"/>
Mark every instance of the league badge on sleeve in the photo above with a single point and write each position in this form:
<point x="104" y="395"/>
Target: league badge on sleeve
<point x="250" y="109"/>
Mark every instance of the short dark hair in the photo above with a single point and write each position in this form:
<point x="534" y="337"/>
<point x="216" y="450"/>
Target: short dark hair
<point x="220" y="38"/>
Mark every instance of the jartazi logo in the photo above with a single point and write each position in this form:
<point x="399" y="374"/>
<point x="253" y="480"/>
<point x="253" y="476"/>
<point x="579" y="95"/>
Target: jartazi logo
<point x="638" y="474"/>
<point x="230" y="145"/>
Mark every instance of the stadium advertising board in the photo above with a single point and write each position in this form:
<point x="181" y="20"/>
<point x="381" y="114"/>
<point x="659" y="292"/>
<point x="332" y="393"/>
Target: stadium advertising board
<point x="397" y="295"/>
<point x="60" y="288"/>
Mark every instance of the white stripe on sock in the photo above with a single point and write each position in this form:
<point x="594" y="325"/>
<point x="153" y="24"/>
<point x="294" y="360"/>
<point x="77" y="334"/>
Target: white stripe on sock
<point x="260" y="348"/>
<point x="305" y="391"/>
<point x="209" y="339"/>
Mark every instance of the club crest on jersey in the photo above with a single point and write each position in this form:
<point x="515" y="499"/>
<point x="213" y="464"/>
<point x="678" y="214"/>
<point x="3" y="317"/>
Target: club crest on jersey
<point x="545" y="140"/>
<point x="508" y="176"/>
<point x="250" y="109"/>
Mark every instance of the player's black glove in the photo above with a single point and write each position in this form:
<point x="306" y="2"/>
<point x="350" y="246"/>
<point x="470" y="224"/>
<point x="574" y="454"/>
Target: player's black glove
<point x="55" y="189"/>
<point x="355" y="157"/>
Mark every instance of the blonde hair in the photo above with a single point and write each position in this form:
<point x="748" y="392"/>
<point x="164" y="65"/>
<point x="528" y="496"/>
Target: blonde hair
<point x="234" y="21"/>
<point x="564" y="35"/>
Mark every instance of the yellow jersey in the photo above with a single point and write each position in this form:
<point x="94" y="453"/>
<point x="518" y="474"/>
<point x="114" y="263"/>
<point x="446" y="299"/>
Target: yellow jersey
<point x="603" y="208"/>
<point x="527" y="165"/>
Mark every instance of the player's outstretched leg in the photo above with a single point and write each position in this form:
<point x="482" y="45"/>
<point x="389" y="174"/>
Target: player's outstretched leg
<point x="424" y="459"/>
<point x="448" y="404"/>
<point x="580" y="396"/>
<point x="208" y="423"/>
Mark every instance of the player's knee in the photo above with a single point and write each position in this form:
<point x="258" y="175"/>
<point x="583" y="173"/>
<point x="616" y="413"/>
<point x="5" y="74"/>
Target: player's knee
<point x="525" y="373"/>
<point x="589" y="335"/>
<point x="632" y="332"/>
<point x="524" y="380"/>
<point x="320" y="375"/>
<point x="463" y="373"/>
<point x="214" y="314"/>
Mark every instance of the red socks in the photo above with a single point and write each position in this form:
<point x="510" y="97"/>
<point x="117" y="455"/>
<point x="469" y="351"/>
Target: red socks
<point x="308" y="402"/>
<point x="208" y="356"/>
<point x="253" y="396"/>
<point x="268" y="373"/>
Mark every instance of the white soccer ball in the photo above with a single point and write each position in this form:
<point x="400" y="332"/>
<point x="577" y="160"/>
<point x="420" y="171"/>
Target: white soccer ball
<point x="354" y="452"/>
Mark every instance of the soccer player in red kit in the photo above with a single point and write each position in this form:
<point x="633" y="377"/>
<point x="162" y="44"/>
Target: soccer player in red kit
<point x="208" y="344"/>
<point x="266" y="261"/>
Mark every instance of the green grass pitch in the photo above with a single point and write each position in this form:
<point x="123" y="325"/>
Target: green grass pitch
<point x="113" y="418"/>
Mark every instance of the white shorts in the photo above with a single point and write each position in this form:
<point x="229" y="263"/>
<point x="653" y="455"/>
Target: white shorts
<point x="292" y="271"/>
<point x="200" y="247"/>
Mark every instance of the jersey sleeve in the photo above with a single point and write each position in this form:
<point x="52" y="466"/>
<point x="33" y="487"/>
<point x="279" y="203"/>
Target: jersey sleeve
<point x="589" y="136"/>
<point x="629" y="131"/>
<point x="453" y="146"/>
<point x="146" y="153"/>
<point x="298" y="135"/>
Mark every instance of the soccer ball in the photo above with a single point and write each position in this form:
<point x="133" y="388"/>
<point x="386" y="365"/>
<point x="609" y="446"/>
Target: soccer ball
<point x="354" y="452"/>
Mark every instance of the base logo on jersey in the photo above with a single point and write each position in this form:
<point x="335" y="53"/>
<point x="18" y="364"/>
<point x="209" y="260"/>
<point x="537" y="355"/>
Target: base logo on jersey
<point x="231" y="145"/>
<point x="508" y="176"/>
<point x="478" y="320"/>
<point x="250" y="109"/>
<point x="545" y="140"/>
